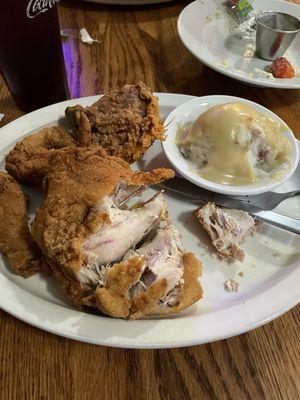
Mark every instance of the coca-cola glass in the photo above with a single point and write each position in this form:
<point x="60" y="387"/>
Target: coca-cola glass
<point x="31" y="56"/>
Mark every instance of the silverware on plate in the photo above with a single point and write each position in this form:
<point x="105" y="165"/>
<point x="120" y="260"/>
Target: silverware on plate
<point x="259" y="206"/>
<point x="265" y="201"/>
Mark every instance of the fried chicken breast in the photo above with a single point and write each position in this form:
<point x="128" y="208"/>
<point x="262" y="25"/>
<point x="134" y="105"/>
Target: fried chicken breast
<point x="127" y="262"/>
<point x="124" y="121"/>
<point x="16" y="242"/>
<point x="30" y="159"/>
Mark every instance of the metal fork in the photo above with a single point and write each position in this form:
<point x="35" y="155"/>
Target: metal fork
<point x="269" y="200"/>
<point x="265" y="201"/>
<point x="252" y="204"/>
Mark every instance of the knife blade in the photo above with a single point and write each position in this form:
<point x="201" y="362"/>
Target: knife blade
<point x="197" y="195"/>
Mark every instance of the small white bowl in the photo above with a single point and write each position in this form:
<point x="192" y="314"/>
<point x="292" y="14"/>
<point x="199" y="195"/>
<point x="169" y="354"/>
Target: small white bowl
<point x="189" y="112"/>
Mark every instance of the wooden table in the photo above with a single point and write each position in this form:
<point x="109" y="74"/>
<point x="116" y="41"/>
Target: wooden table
<point x="141" y="43"/>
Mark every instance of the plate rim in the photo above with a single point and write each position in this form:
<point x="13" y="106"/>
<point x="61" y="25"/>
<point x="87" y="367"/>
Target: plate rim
<point x="289" y="299"/>
<point x="224" y="71"/>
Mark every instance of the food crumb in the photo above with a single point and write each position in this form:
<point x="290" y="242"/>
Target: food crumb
<point x="276" y="254"/>
<point x="224" y="63"/>
<point x="219" y="14"/>
<point x="241" y="273"/>
<point x="209" y="18"/>
<point x="231" y="286"/>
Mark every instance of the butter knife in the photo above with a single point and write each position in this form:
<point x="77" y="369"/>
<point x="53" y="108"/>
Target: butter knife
<point x="198" y="196"/>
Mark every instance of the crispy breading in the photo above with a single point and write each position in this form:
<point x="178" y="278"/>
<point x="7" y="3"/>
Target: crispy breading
<point x="77" y="293"/>
<point x="15" y="238"/>
<point x="114" y="299"/>
<point x="192" y="290"/>
<point x="77" y="180"/>
<point x="125" y="122"/>
<point x="31" y="157"/>
<point x="144" y="303"/>
<point x="151" y="177"/>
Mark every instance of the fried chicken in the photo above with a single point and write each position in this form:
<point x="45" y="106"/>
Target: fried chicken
<point x="30" y="159"/>
<point x="126" y="262"/>
<point x="227" y="229"/>
<point x="125" y="122"/>
<point x="16" y="241"/>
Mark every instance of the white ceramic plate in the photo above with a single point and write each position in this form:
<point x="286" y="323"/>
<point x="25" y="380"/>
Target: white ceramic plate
<point x="187" y="113"/>
<point x="270" y="285"/>
<point x="207" y="37"/>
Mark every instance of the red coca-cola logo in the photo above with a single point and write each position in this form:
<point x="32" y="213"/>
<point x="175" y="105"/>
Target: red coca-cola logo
<point x="36" y="7"/>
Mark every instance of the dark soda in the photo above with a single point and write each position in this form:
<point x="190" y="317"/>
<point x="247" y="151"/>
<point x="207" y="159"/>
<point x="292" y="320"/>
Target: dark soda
<point x="31" y="56"/>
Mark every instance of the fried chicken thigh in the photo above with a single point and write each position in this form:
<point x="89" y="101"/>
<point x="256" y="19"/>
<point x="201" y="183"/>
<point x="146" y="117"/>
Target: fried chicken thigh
<point x="125" y="122"/>
<point x="16" y="241"/>
<point x="30" y="159"/>
<point x="125" y="261"/>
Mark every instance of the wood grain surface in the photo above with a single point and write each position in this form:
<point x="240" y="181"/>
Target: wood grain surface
<point x="142" y="43"/>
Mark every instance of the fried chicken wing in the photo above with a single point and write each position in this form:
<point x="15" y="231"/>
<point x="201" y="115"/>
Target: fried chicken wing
<point x="125" y="122"/>
<point x="127" y="262"/>
<point x="30" y="159"/>
<point x="16" y="241"/>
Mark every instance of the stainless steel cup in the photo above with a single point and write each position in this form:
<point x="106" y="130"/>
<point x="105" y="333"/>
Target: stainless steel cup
<point x="274" y="33"/>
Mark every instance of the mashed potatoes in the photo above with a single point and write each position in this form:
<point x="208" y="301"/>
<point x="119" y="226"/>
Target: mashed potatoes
<point x="234" y="144"/>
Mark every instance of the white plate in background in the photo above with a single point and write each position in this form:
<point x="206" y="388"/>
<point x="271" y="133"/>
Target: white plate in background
<point x="208" y="38"/>
<point x="270" y="285"/>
